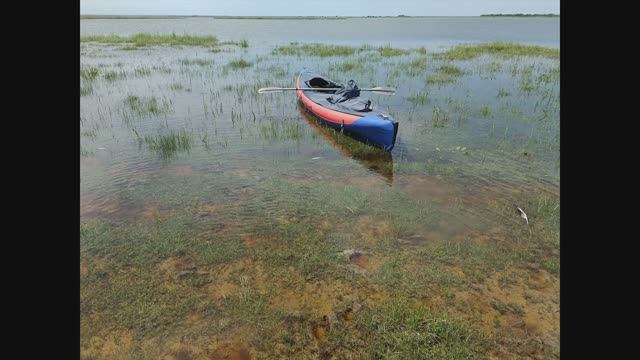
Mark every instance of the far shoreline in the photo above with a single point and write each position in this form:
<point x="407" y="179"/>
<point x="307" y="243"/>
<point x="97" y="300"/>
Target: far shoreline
<point x="223" y="17"/>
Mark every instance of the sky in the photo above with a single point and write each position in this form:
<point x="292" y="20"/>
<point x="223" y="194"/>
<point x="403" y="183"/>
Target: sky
<point x="317" y="7"/>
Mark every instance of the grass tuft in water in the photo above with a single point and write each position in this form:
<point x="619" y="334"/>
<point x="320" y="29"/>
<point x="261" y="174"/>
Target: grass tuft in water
<point x="239" y="64"/>
<point x="440" y="117"/>
<point x="450" y="70"/>
<point x="169" y="145"/>
<point x="502" y="49"/>
<point x="113" y="75"/>
<point x="503" y="93"/>
<point x="401" y="330"/>
<point x="146" y="39"/>
<point x="485" y="111"/>
<point x="349" y="66"/>
<point x="90" y="73"/>
<point x="147" y="105"/>
<point x="420" y="98"/>
<point x="199" y="62"/>
<point x="314" y="49"/>
<point x="388" y="51"/>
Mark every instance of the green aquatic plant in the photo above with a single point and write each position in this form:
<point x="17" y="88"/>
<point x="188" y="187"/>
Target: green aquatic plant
<point x="146" y="39"/>
<point x="147" y="105"/>
<point x="238" y="64"/>
<point x="170" y="144"/>
<point x="450" y="70"/>
<point x="199" y="62"/>
<point x="388" y="51"/>
<point x="89" y="73"/>
<point x="420" y="98"/>
<point x="440" y="118"/>
<point x="501" y="49"/>
<point x="315" y="49"/>
<point x="348" y="66"/>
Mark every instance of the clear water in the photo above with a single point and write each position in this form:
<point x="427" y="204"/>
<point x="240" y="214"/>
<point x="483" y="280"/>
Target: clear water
<point x="251" y="169"/>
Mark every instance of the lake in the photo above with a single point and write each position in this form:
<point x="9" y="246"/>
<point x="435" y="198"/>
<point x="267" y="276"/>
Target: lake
<point x="217" y="222"/>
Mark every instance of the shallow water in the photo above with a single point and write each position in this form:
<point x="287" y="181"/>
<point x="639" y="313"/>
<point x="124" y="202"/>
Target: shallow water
<point x="432" y="32"/>
<point x="189" y="177"/>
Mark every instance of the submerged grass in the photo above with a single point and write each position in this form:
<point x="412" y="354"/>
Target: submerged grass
<point x="113" y="75"/>
<point x="89" y="73"/>
<point x="199" y="62"/>
<point x="244" y="43"/>
<point x="502" y="49"/>
<point x="147" y="39"/>
<point x="450" y="70"/>
<point x="281" y="130"/>
<point x="315" y="49"/>
<point x="194" y="253"/>
<point x="349" y="66"/>
<point x="239" y="64"/>
<point x="168" y="145"/>
<point x="388" y="51"/>
<point x="414" y="67"/>
<point x="401" y="330"/>
<point x="324" y="50"/>
<point x="447" y="73"/>
<point x="420" y="98"/>
<point x="147" y="105"/>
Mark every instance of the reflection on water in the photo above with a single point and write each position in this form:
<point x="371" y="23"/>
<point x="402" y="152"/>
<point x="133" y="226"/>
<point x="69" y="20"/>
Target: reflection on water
<point x="376" y="160"/>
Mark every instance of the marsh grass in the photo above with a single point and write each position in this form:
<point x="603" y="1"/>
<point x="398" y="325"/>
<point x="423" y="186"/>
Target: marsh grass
<point x="147" y="105"/>
<point x="86" y="89"/>
<point x="199" y="62"/>
<point x="315" y="49"/>
<point x="485" y="111"/>
<point x="277" y="129"/>
<point x="244" y="43"/>
<point x="170" y="144"/>
<point x="450" y="70"/>
<point x="345" y="66"/>
<point x="238" y="64"/>
<point x="89" y="73"/>
<point x="245" y="208"/>
<point x="549" y="76"/>
<point x="177" y="87"/>
<point x="388" y="51"/>
<point x="501" y="49"/>
<point x="113" y="75"/>
<point x="414" y="67"/>
<point x="440" y="118"/>
<point x="420" y="98"/>
<point x="446" y="73"/>
<point x="402" y="330"/>
<point x="147" y="39"/>
<point x="142" y="71"/>
<point x="300" y="246"/>
<point x="527" y="85"/>
<point x="325" y="50"/>
<point x="503" y="93"/>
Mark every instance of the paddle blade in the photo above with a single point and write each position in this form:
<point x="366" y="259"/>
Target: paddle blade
<point x="383" y="90"/>
<point x="269" y="89"/>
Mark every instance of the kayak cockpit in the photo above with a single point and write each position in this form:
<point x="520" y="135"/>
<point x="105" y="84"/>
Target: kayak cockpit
<point x="322" y="83"/>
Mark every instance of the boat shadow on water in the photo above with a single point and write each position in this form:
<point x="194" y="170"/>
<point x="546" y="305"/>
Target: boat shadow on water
<point x="375" y="159"/>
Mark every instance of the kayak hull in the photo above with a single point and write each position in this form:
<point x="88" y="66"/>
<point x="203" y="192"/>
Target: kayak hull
<point x="373" y="128"/>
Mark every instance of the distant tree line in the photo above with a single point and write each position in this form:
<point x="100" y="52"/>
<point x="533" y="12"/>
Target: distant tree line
<point x="546" y="15"/>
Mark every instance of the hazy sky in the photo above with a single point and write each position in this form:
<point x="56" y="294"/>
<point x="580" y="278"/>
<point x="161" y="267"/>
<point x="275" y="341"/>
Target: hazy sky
<point x="317" y="7"/>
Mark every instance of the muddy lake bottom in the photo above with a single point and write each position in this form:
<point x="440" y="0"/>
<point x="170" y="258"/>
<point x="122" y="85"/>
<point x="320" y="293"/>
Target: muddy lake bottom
<point x="217" y="223"/>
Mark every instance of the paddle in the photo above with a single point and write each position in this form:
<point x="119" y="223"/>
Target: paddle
<point x="375" y="90"/>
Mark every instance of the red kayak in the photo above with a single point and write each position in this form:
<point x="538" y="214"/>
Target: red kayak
<point x="351" y="115"/>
